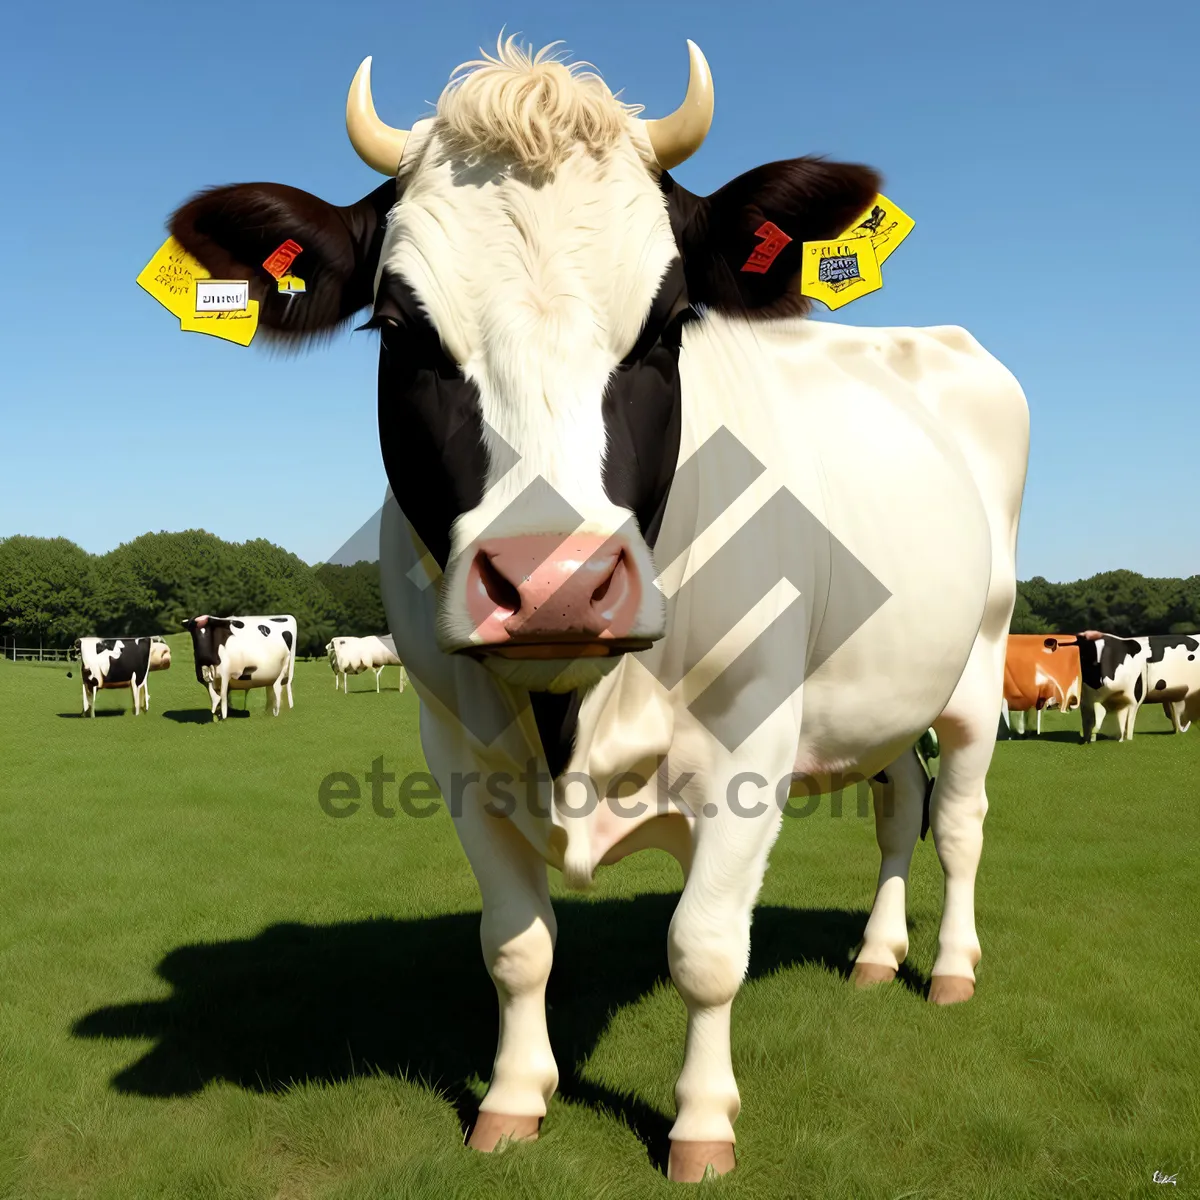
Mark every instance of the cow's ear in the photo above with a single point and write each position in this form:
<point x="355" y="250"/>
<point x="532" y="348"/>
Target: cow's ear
<point x="809" y="199"/>
<point x="233" y="231"/>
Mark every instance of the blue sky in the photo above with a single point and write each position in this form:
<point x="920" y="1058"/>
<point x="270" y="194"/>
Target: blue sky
<point x="1048" y="152"/>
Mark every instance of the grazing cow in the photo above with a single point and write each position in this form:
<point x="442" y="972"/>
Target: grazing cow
<point x="1038" y="675"/>
<point x="648" y="528"/>
<point x="1113" y="671"/>
<point x="353" y="655"/>
<point x="241" y="653"/>
<point x="1173" y="676"/>
<point x="120" y="663"/>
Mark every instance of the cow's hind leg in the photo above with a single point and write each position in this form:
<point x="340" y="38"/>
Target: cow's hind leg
<point x="136" y="689"/>
<point x="517" y="931"/>
<point x="378" y="672"/>
<point x="898" y="807"/>
<point x="966" y="730"/>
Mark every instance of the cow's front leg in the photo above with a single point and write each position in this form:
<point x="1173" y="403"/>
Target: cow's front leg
<point x="517" y="931"/>
<point x="1126" y="720"/>
<point x="136" y="688"/>
<point x="1018" y="722"/>
<point x="898" y="807"/>
<point x="708" y="949"/>
<point x="1091" y="717"/>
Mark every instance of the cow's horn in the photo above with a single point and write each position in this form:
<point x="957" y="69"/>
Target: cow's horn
<point x="380" y="146"/>
<point x="676" y="138"/>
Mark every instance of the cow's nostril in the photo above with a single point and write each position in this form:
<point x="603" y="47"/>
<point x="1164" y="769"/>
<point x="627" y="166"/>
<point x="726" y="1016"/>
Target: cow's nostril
<point x="499" y="590"/>
<point x="613" y="583"/>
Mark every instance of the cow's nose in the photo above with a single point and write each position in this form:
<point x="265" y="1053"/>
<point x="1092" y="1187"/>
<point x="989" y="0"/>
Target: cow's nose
<point x="546" y="589"/>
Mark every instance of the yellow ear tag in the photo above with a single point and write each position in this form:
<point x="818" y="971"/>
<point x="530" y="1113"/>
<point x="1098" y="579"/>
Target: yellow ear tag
<point x="886" y="224"/>
<point x="290" y="284"/>
<point x="839" y="270"/>
<point x="183" y="286"/>
<point x="170" y="277"/>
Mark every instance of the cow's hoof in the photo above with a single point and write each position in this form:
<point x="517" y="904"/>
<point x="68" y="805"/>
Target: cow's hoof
<point x="950" y="989"/>
<point x="493" y="1128"/>
<point x="691" y="1161"/>
<point x="866" y="975"/>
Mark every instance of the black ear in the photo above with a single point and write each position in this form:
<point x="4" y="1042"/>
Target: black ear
<point x="234" y="230"/>
<point x="808" y="199"/>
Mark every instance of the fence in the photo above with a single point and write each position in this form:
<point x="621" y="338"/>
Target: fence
<point x="39" y="653"/>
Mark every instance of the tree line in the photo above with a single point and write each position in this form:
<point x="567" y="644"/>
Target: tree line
<point x="54" y="591"/>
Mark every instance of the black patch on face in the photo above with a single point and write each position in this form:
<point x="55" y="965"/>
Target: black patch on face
<point x="430" y="424"/>
<point x="287" y="638"/>
<point x="207" y="640"/>
<point x="265" y="630"/>
<point x="1160" y="643"/>
<point x="1137" y="688"/>
<point x="642" y="410"/>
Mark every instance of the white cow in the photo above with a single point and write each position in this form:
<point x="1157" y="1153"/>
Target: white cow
<point x="656" y="547"/>
<point x="353" y="655"/>
<point x="120" y="663"/>
<point x="240" y="653"/>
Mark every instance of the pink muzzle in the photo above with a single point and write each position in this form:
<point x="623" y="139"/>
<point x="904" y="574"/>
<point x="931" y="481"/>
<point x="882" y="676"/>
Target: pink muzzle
<point x="549" y="596"/>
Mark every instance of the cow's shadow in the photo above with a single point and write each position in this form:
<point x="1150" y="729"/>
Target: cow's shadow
<point x="412" y="998"/>
<point x="100" y="712"/>
<point x="200" y="716"/>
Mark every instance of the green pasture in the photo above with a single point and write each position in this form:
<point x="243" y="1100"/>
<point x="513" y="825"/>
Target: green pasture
<point x="211" y="988"/>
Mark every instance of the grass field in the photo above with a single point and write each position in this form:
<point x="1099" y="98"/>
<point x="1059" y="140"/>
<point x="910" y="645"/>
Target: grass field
<point x="211" y="988"/>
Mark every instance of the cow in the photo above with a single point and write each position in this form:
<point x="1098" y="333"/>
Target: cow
<point x="120" y="663"/>
<point x="1113" y="674"/>
<point x="647" y="527"/>
<point x="240" y="653"/>
<point x="1036" y="676"/>
<point x="353" y="655"/>
<point x="1173" y="676"/>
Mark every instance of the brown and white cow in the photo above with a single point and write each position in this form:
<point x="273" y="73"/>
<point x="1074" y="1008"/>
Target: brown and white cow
<point x="648" y="525"/>
<point x="1038" y="674"/>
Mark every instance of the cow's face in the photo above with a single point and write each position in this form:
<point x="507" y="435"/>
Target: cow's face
<point x="531" y="266"/>
<point x="160" y="656"/>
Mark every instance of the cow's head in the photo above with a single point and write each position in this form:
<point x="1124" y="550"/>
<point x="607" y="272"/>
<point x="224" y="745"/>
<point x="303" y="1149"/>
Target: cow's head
<point x="531" y="266"/>
<point x="160" y="656"/>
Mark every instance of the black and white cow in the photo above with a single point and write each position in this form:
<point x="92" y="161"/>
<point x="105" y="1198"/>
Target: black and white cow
<point x="1173" y="676"/>
<point x="647" y="525"/>
<point x="120" y="663"/>
<point x="353" y="655"/>
<point x="1113" y="674"/>
<point x="240" y="653"/>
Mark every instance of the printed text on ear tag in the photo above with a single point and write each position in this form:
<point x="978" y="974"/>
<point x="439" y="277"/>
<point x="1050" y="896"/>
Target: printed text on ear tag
<point x="886" y="224"/>
<point x="181" y="284"/>
<point x="282" y="257"/>
<point x="170" y="277"/>
<point x="840" y="270"/>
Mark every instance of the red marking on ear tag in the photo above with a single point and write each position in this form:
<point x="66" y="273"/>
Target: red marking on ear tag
<point x="282" y="257"/>
<point x="765" y="253"/>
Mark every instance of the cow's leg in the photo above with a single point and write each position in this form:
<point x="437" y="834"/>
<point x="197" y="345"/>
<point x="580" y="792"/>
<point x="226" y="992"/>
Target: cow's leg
<point x="378" y="672"/>
<point x="956" y="812"/>
<point x="291" y="671"/>
<point x="403" y="679"/>
<point x="1039" y="721"/>
<point x="86" y="705"/>
<point x="1018" y="722"/>
<point x="517" y="931"/>
<point x="1127" y="719"/>
<point x="224" y="696"/>
<point x="898" y="807"/>
<point x="1092" y="717"/>
<point x="136" y="689"/>
<point x="146" y="693"/>
<point x="708" y="949"/>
